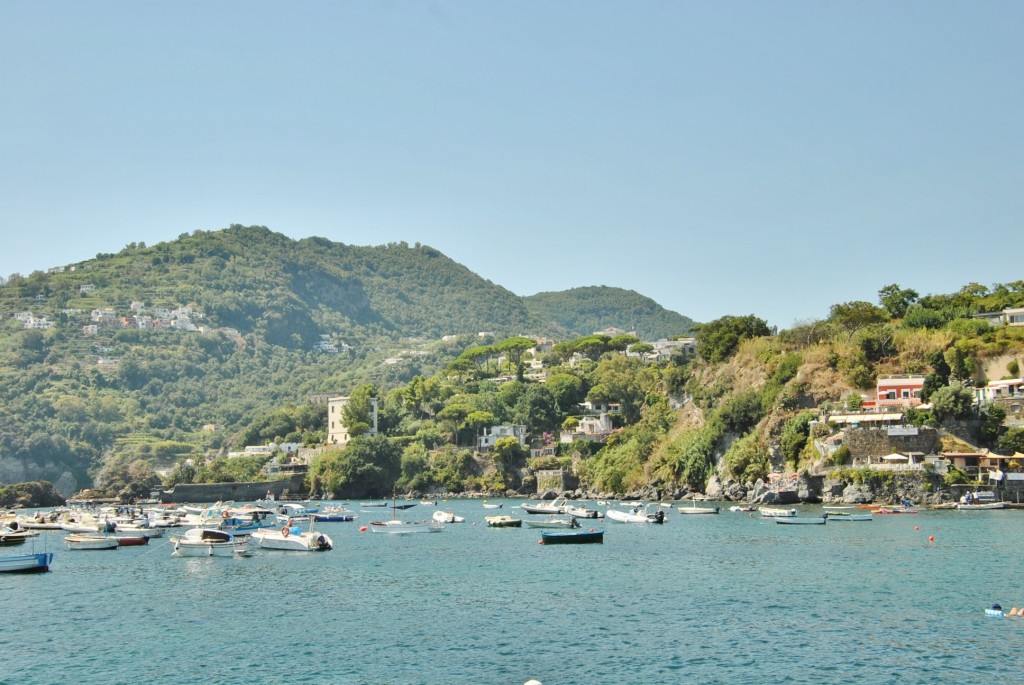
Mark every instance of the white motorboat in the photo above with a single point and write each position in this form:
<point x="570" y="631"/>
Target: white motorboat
<point x="442" y="516"/>
<point x="291" y="538"/>
<point x="555" y="506"/>
<point x="636" y="515"/>
<point x="208" y="542"/>
<point x="694" y="509"/>
<point x="90" y="541"/>
<point x="581" y="512"/>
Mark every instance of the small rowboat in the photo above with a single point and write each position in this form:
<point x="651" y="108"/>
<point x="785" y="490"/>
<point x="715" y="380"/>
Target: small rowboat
<point x="26" y="563"/>
<point x="801" y="521"/>
<point x="582" y="537"/>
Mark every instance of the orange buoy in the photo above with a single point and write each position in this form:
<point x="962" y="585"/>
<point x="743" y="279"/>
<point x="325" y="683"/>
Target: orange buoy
<point x="540" y="542"/>
<point x="931" y="538"/>
<point x="362" y="529"/>
<point x="917" y="527"/>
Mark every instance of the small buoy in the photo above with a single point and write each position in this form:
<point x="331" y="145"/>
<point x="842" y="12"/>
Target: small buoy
<point x="931" y="538"/>
<point x="917" y="527"/>
<point x="540" y="542"/>
<point x="591" y="530"/>
<point x="362" y="529"/>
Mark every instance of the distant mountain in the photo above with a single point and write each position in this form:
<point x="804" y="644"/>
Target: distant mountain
<point x="582" y="311"/>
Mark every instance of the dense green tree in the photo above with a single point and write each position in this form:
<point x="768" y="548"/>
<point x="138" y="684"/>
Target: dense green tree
<point x="952" y="401"/>
<point x="895" y="300"/>
<point x="853" y="316"/>
<point x="718" y="339"/>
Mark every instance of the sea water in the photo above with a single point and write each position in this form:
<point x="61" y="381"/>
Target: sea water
<point x="733" y="598"/>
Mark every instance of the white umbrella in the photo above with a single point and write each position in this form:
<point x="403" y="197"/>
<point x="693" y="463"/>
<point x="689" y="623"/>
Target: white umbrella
<point x="894" y="457"/>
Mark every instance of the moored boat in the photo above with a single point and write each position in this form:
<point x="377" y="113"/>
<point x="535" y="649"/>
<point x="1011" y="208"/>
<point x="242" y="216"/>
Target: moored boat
<point x="975" y="507"/>
<point x="291" y="538"/>
<point x="636" y="515"/>
<point x="694" y="509"/>
<point x="93" y="541"/>
<point x="552" y="522"/>
<point x="503" y="521"/>
<point x="397" y="527"/>
<point x="577" y="537"/>
<point x="582" y="512"/>
<point x="442" y="516"/>
<point x="776" y="512"/>
<point x="555" y="506"/>
<point x="208" y="542"/>
<point x="801" y="521"/>
<point x="26" y="563"/>
<point x="832" y="516"/>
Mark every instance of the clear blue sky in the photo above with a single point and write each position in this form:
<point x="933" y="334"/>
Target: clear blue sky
<point x="768" y="158"/>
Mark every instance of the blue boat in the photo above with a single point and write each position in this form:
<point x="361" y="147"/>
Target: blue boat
<point x="26" y="563"/>
<point x="576" y="537"/>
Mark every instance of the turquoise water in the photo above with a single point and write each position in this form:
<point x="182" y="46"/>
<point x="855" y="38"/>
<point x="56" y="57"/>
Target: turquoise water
<point x="709" y="599"/>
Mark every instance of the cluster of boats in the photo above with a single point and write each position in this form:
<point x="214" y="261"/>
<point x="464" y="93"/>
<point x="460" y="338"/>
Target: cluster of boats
<point x="224" y="529"/>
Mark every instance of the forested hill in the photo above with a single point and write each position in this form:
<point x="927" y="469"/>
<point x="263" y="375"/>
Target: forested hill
<point x="171" y="349"/>
<point x="582" y="311"/>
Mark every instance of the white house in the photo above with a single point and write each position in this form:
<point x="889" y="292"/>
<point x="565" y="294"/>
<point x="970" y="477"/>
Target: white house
<point x="591" y="428"/>
<point x="485" y="442"/>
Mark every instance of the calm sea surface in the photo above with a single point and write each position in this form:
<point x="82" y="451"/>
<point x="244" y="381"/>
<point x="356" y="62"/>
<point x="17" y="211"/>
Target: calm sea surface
<point x="702" y="599"/>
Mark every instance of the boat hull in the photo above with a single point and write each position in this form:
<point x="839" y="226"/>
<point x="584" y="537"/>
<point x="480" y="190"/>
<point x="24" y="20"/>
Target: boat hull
<point x="503" y="522"/>
<point x="798" y="521"/>
<point x="26" y="563"/>
<point x="573" y="538"/>
<point x="698" y="510"/>
<point x="90" y="542"/>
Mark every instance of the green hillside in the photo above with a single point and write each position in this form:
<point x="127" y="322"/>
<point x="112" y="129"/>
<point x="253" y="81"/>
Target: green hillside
<point x="174" y="349"/>
<point x="582" y="311"/>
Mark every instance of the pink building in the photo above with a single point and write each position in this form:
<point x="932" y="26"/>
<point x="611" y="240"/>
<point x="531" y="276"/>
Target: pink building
<point x="901" y="390"/>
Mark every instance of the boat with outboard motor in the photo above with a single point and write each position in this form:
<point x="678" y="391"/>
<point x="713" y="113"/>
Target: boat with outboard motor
<point x="291" y="538"/>
<point x="636" y="515"/>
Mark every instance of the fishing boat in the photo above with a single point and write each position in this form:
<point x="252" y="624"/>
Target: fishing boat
<point x="578" y="537"/>
<point x="26" y="563"/>
<point x="491" y="505"/>
<point x="801" y="520"/>
<point x="90" y="541"/>
<point x="503" y="521"/>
